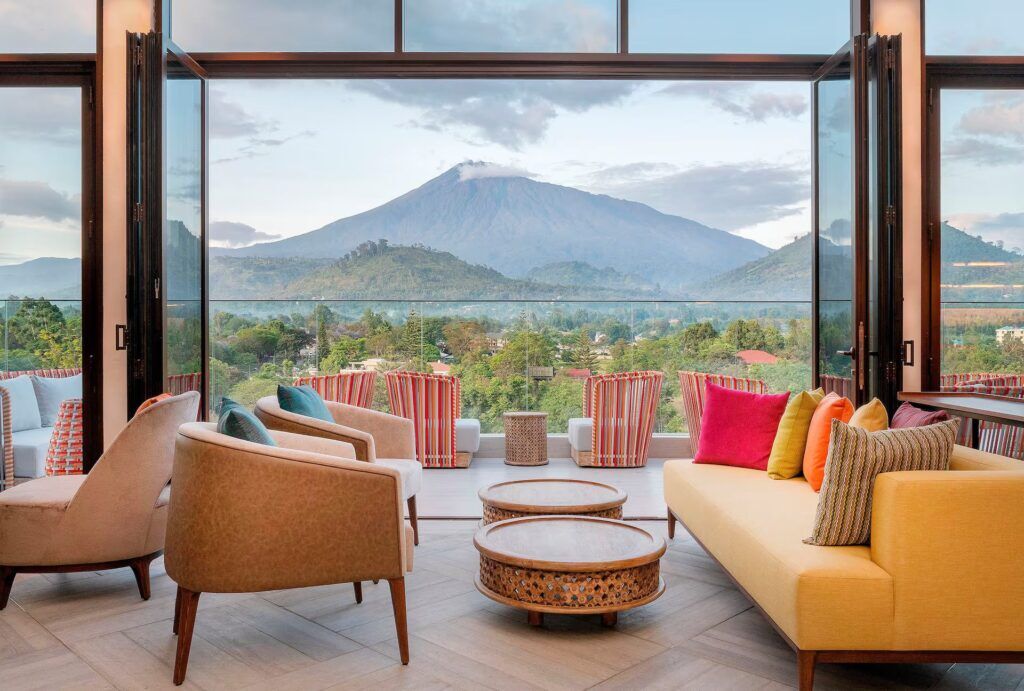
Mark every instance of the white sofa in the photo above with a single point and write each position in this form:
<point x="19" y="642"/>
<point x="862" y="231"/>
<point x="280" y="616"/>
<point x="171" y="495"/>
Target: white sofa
<point x="27" y="422"/>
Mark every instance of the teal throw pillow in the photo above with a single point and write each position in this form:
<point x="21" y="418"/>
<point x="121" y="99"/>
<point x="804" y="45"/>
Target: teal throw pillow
<point x="303" y="400"/>
<point x="238" y="422"/>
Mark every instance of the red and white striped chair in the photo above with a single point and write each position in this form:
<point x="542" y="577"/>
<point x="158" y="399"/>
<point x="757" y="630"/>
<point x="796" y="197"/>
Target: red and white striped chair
<point x="994" y="437"/>
<point x="622" y="409"/>
<point x="841" y="386"/>
<point x="64" y="456"/>
<point x="351" y="387"/>
<point x="434" y="403"/>
<point x="692" y="386"/>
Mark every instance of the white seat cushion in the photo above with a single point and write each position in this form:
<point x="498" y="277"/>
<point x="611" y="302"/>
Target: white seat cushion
<point x="467" y="435"/>
<point x="411" y="472"/>
<point x="30" y="447"/>
<point x="581" y="433"/>
<point x="24" y="405"/>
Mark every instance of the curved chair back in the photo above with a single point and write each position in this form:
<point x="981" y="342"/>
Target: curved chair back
<point x="351" y="387"/>
<point x="245" y="517"/>
<point x="623" y="408"/>
<point x="693" y="385"/>
<point x="111" y="515"/>
<point x="833" y="383"/>
<point x="433" y="403"/>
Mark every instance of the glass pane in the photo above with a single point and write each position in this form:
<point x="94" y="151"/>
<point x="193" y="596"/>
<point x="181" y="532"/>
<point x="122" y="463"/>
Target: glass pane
<point x="48" y="26"/>
<point x="835" y="224"/>
<point x="738" y="26"/>
<point x="979" y="27"/>
<point x="183" y="245"/>
<point x="274" y="25"/>
<point x="535" y="232"/>
<point x="549" y="26"/>
<point x="982" y="237"/>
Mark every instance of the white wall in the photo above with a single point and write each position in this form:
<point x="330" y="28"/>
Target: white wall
<point x="119" y="16"/>
<point x="904" y="17"/>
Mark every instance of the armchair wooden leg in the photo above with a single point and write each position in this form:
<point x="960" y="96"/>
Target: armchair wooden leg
<point x="177" y="612"/>
<point x="358" y="587"/>
<point x="805" y="660"/>
<point x="401" y="625"/>
<point x="186" y="624"/>
<point x="7" y="575"/>
<point x="671" y="525"/>
<point x="413" y="521"/>
<point x="140" y="567"/>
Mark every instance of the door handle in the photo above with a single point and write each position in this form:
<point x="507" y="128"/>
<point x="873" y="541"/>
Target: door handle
<point x="847" y="353"/>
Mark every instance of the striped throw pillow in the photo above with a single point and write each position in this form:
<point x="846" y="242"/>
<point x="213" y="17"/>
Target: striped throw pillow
<point x="855" y="458"/>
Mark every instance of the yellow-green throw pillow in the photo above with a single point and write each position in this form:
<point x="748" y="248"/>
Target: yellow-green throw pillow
<point x="871" y="416"/>
<point x="787" y="457"/>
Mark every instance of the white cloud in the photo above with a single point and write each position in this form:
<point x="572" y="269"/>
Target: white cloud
<point x="743" y="100"/>
<point x="233" y="234"/>
<point x="37" y="200"/>
<point x="474" y="170"/>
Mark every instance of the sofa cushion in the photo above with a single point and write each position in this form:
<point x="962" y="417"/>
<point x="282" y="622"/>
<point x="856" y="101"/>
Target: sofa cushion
<point x="240" y="423"/>
<point x="872" y="416"/>
<point x="50" y="391"/>
<point x="831" y="407"/>
<point x="581" y="433"/>
<point x="30" y="447"/>
<point x="787" y="456"/>
<point x="303" y="400"/>
<point x="24" y="405"/>
<point x="467" y="435"/>
<point x="821" y="597"/>
<point x="411" y="472"/>
<point x="30" y="516"/>
<point x="739" y="427"/>
<point x="908" y="415"/>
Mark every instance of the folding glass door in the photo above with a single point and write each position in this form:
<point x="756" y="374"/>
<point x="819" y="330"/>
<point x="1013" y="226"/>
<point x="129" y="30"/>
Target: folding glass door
<point x="167" y="192"/>
<point x="856" y="220"/>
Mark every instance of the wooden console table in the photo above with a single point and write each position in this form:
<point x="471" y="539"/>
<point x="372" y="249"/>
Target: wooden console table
<point x="975" y="406"/>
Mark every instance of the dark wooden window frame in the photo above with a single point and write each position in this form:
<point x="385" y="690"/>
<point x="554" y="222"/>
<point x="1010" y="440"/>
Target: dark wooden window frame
<point x="79" y="70"/>
<point x="938" y="73"/>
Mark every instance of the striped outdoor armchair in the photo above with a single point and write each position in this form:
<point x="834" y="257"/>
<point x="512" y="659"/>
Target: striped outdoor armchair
<point x="993" y="437"/>
<point x="622" y="409"/>
<point x="692" y="385"/>
<point x="434" y="403"/>
<point x="351" y="387"/>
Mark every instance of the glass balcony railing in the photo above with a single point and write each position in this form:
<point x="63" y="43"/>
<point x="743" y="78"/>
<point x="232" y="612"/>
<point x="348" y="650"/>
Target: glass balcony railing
<point x="40" y="334"/>
<point x="509" y="355"/>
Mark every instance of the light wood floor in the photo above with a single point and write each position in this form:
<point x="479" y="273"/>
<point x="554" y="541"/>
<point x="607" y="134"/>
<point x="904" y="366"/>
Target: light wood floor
<point x="452" y="492"/>
<point x="91" y="631"/>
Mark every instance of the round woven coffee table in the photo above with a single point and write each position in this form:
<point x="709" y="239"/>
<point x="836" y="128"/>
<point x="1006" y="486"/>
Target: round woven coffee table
<point x="545" y="497"/>
<point x="569" y="565"/>
<point x="526" y="438"/>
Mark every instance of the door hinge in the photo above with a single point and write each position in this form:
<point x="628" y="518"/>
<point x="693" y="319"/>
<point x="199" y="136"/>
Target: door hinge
<point x="931" y="98"/>
<point x="137" y="212"/>
<point x="138" y="54"/>
<point x="156" y="288"/>
<point x="890" y="215"/>
<point x="890" y="58"/>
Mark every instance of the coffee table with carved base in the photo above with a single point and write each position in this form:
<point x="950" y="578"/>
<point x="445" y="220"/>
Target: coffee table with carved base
<point x="545" y="497"/>
<point x="569" y="565"/>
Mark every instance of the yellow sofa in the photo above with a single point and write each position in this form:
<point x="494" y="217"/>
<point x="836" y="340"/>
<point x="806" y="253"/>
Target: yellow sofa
<point x="943" y="578"/>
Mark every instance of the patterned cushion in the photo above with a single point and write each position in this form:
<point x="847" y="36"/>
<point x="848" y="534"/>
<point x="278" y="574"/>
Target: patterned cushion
<point x="855" y="457"/>
<point x="303" y="400"/>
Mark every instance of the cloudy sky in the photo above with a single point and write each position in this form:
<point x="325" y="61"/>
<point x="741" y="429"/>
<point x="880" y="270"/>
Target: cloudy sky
<point x="288" y="157"/>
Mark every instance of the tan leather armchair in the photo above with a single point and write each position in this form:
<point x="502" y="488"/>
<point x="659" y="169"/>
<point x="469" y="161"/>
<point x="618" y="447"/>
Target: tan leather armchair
<point x="113" y="517"/>
<point x="246" y="517"/>
<point x="377" y="437"/>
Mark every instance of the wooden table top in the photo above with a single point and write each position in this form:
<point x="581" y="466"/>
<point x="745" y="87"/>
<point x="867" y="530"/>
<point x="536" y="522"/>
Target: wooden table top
<point x="978" y="406"/>
<point x="556" y="495"/>
<point x="524" y="413"/>
<point x="568" y="543"/>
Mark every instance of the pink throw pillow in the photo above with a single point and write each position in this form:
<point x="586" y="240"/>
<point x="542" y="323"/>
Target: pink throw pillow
<point x="911" y="416"/>
<point x="739" y="427"/>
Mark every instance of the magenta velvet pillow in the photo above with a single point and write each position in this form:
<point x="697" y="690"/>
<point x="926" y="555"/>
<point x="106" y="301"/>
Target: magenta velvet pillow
<point x="738" y="427"/>
<point x="911" y="416"/>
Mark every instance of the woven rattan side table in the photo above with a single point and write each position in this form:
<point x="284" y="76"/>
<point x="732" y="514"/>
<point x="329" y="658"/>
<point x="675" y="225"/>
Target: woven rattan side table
<point x="526" y="438"/>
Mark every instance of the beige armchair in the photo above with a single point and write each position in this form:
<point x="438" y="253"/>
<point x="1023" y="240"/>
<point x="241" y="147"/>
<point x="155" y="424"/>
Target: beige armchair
<point x="113" y="517"/>
<point x="246" y="517"/>
<point x="380" y="438"/>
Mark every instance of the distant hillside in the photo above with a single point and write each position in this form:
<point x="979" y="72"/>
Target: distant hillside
<point x="577" y="273"/>
<point x="514" y="224"/>
<point x="785" y="274"/>
<point x="386" y="272"/>
<point x="46" y="277"/>
<point x="977" y="271"/>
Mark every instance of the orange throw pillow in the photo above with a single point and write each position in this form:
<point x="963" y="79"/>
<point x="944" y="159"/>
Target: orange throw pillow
<point x="831" y="407"/>
<point x="150" y="401"/>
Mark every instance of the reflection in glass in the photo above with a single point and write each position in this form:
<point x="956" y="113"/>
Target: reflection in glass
<point x="835" y="224"/>
<point x="738" y="26"/>
<point x="546" y="26"/>
<point x="978" y="27"/>
<point x="273" y="25"/>
<point x="982" y="234"/>
<point x="183" y="247"/>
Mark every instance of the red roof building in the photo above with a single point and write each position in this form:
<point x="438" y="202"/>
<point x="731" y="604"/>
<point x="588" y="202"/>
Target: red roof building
<point x="576" y="373"/>
<point x="757" y="357"/>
